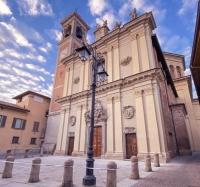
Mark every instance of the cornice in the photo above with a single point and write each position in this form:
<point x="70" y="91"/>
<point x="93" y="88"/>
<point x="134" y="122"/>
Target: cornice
<point x="153" y="74"/>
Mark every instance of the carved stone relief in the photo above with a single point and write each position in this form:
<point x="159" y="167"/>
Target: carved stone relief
<point x="72" y="120"/>
<point x="128" y="130"/>
<point x="128" y="111"/>
<point x="117" y="25"/>
<point x="99" y="113"/>
<point x="76" y="80"/>
<point x="126" y="61"/>
<point x="133" y="14"/>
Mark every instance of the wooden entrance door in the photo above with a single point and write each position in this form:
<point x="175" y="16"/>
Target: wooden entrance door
<point x="131" y="145"/>
<point x="97" y="141"/>
<point x="71" y="145"/>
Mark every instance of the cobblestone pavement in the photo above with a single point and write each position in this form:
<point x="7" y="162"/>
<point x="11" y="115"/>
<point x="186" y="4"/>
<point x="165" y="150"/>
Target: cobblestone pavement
<point x="180" y="172"/>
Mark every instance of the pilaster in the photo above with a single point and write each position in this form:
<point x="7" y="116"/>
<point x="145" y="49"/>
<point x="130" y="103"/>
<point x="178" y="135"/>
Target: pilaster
<point x="140" y="122"/>
<point x="71" y="70"/>
<point x="82" y="76"/>
<point x="66" y="83"/>
<point x="135" y="57"/>
<point x="116" y="65"/>
<point x="110" y="64"/>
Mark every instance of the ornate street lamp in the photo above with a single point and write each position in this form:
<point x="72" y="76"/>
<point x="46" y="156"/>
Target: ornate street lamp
<point x="84" y="53"/>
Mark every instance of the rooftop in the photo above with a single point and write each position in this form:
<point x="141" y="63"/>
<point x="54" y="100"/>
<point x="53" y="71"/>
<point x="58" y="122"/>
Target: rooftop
<point x="4" y="104"/>
<point x="30" y="92"/>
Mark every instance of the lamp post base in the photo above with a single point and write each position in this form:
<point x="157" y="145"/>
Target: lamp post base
<point x="89" y="181"/>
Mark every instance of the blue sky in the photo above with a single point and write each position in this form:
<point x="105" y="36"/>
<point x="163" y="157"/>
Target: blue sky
<point x="30" y="31"/>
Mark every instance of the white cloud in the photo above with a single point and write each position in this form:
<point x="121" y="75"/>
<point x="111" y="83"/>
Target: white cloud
<point x="17" y="36"/>
<point x="187" y="72"/>
<point x="46" y="48"/>
<point x="109" y="16"/>
<point x="97" y="6"/>
<point x="37" y="68"/>
<point x="54" y="34"/>
<point x="187" y="5"/>
<point x="4" y="8"/>
<point x="194" y="95"/>
<point x="41" y="58"/>
<point x="35" y="7"/>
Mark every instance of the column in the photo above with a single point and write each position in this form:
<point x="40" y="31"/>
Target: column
<point x="140" y="122"/>
<point x="82" y="76"/>
<point x="83" y="130"/>
<point x="61" y="125"/>
<point x="86" y="75"/>
<point x="116" y="63"/>
<point x="118" y="125"/>
<point x="135" y="58"/>
<point x="109" y="64"/>
<point x="144" y="51"/>
<point x="148" y="33"/>
<point x="160" y="121"/>
<point x="69" y="91"/>
<point x="66" y="83"/>
<point x="110" y="138"/>
<point x="65" y="130"/>
<point x="77" y="131"/>
<point x="154" y="141"/>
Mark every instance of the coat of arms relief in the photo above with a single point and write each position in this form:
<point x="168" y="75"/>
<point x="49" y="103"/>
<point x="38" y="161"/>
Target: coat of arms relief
<point x="99" y="113"/>
<point x="128" y="111"/>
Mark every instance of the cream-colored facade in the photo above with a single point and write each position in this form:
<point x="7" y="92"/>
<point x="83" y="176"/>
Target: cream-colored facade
<point x="25" y="122"/>
<point x="139" y="109"/>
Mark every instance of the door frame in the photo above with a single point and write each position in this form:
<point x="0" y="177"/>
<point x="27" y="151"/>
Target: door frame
<point x="128" y="130"/>
<point x="101" y="124"/>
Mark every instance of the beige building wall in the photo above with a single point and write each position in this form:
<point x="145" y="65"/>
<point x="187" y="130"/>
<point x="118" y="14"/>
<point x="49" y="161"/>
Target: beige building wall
<point x="135" y="87"/>
<point x="37" y="114"/>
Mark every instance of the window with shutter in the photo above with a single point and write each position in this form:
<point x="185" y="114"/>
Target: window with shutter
<point x="15" y="140"/>
<point x="33" y="141"/>
<point x="35" y="126"/>
<point x="18" y="123"/>
<point x="2" y="120"/>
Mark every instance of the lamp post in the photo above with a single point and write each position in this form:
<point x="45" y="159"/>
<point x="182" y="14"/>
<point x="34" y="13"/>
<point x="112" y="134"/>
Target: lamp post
<point x="84" y="53"/>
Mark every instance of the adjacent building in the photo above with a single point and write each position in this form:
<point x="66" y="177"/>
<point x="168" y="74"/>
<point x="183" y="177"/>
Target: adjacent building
<point x="145" y="105"/>
<point x="22" y="125"/>
<point x="195" y="57"/>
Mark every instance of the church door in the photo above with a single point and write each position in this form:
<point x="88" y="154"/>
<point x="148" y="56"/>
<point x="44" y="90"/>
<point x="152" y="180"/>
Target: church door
<point x="71" y="145"/>
<point x="131" y="145"/>
<point x="97" y="141"/>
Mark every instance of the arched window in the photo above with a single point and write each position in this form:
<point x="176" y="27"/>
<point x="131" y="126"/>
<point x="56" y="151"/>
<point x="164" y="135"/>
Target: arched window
<point x="79" y="32"/>
<point x="178" y="71"/>
<point x="171" y="69"/>
<point x="67" y="31"/>
<point x="100" y="67"/>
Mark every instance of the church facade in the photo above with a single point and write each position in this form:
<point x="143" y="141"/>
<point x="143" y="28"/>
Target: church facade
<point x="144" y="106"/>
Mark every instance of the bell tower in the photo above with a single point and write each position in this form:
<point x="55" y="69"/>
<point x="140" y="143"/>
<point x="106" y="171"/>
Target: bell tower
<point x="71" y="26"/>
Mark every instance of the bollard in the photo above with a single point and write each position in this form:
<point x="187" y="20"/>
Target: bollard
<point x="41" y="152"/>
<point x="35" y="170"/>
<point x="134" y="168"/>
<point x="7" y="172"/>
<point x="147" y="163"/>
<point x="26" y="153"/>
<point x="156" y="160"/>
<point x="111" y="174"/>
<point x="8" y="153"/>
<point x="68" y="173"/>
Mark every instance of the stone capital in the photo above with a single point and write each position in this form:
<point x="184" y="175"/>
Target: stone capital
<point x="138" y="93"/>
<point x="148" y="91"/>
<point x="117" y="98"/>
<point x="109" y="100"/>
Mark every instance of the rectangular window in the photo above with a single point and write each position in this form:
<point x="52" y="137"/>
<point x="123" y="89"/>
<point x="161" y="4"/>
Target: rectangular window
<point x="33" y="141"/>
<point x="18" y="123"/>
<point x="36" y="126"/>
<point x="15" y="140"/>
<point x="2" y="120"/>
<point x="38" y="99"/>
<point x="24" y="98"/>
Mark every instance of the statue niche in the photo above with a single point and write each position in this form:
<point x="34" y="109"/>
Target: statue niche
<point x="99" y="113"/>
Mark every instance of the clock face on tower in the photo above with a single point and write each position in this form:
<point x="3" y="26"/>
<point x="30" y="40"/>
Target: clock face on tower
<point x="63" y="53"/>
